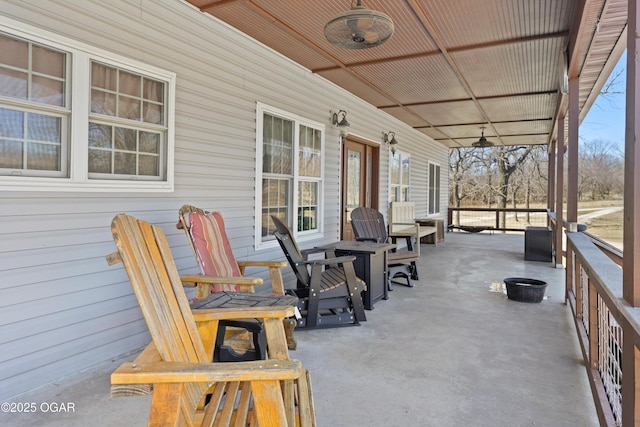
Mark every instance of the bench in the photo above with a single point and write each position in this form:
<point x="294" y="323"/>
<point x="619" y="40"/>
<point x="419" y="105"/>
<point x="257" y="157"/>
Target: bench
<point x="402" y="222"/>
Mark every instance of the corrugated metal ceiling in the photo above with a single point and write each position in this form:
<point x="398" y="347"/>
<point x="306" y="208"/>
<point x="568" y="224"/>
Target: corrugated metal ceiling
<point x="452" y="67"/>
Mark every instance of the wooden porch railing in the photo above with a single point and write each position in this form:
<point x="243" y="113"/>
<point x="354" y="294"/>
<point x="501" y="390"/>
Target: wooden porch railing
<point x="499" y="219"/>
<point x="608" y="328"/>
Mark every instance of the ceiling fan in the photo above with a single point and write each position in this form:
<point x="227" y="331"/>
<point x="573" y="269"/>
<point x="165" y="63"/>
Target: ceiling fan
<point x="359" y="28"/>
<point x="482" y="142"/>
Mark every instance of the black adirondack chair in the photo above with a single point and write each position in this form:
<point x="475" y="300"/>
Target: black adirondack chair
<point x="330" y="294"/>
<point x="368" y="225"/>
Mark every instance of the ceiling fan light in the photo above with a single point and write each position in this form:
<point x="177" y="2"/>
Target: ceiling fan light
<point x="359" y="28"/>
<point x="482" y="142"/>
<point x="371" y="37"/>
<point x="361" y="22"/>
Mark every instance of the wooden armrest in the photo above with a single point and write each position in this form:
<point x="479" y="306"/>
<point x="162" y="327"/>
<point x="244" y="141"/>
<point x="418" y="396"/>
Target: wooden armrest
<point x="405" y="232"/>
<point x="277" y="285"/>
<point x="265" y="312"/>
<point x="181" y="372"/>
<point x="221" y="280"/>
<point x="249" y="263"/>
<point x="148" y="355"/>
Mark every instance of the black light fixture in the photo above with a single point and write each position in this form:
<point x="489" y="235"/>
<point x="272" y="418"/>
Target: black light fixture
<point x="390" y="139"/>
<point x="359" y="28"/>
<point x="339" y="120"/>
<point x="482" y="142"/>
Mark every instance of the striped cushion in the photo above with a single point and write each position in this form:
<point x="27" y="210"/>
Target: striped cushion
<point x="213" y="248"/>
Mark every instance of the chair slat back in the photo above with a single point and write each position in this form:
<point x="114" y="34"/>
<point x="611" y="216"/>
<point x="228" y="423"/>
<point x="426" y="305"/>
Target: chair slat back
<point x="368" y="223"/>
<point x="156" y="283"/>
<point x="183" y="224"/>
<point x="210" y="245"/>
<point x="291" y="251"/>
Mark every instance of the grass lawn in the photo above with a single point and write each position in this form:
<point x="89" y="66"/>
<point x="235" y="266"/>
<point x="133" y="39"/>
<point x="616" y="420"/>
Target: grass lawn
<point x="608" y="227"/>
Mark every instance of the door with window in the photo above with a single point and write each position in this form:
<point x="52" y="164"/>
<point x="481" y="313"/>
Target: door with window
<point x="360" y="173"/>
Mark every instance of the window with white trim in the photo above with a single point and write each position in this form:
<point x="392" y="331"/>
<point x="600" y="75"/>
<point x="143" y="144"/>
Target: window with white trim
<point x="73" y="117"/>
<point x="399" y="172"/>
<point x="290" y="155"/>
<point x="434" y="188"/>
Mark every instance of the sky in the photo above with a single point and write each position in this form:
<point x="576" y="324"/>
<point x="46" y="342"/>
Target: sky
<point x="605" y="120"/>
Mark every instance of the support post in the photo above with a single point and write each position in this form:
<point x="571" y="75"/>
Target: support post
<point x="559" y="190"/>
<point x="551" y="173"/>
<point x="572" y="158"/>
<point x="631" y="245"/>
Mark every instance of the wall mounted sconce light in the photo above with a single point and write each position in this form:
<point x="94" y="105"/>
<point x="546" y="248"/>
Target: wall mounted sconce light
<point x="390" y="139"/>
<point x="339" y="120"/>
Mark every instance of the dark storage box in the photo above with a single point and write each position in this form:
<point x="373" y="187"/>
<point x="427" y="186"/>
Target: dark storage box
<point x="537" y="244"/>
<point x="525" y="290"/>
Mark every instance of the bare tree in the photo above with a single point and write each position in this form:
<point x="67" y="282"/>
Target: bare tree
<point x="509" y="159"/>
<point x="463" y="182"/>
<point x="600" y="171"/>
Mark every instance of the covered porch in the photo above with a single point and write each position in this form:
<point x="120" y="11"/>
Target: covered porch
<point x="448" y="352"/>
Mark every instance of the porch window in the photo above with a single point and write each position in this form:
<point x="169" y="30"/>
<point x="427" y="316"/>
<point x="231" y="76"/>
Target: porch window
<point x="126" y="125"/>
<point x="400" y="168"/>
<point x="290" y="164"/>
<point x="434" y="188"/>
<point x="73" y="117"/>
<point x="34" y="111"/>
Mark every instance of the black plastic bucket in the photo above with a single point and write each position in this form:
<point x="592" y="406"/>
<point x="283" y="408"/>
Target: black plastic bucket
<point x="525" y="290"/>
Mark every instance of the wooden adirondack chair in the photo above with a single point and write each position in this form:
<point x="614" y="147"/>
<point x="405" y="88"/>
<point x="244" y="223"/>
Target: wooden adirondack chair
<point x="211" y="248"/>
<point x="328" y="297"/>
<point x="272" y="392"/>
<point x="368" y="225"/>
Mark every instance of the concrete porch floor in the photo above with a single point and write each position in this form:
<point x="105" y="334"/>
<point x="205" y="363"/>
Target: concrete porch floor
<point x="447" y="352"/>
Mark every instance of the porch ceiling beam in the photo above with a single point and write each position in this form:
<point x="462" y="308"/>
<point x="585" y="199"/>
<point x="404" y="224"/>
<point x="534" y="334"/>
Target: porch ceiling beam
<point x="478" y="46"/>
<point x="504" y="122"/>
<point x="504" y="135"/>
<point x="479" y="98"/>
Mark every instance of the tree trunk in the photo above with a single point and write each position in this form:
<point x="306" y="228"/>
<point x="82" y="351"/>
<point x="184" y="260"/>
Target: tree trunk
<point x="528" y="200"/>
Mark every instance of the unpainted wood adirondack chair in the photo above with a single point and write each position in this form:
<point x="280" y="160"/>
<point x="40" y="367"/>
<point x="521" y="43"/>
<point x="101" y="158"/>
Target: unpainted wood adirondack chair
<point x="272" y="392"/>
<point x="368" y="225"/>
<point x="211" y="248"/>
<point x="328" y="296"/>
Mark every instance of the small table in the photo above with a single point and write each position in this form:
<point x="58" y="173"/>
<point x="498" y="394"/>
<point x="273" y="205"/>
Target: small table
<point x="240" y="300"/>
<point x="243" y="299"/>
<point x="370" y="265"/>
